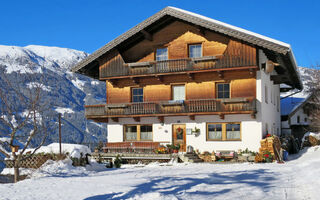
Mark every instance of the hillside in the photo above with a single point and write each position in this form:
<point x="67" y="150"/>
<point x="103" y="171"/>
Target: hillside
<point x="65" y="91"/>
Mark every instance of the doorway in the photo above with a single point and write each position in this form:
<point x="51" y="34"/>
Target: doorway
<point x="179" y="136"/>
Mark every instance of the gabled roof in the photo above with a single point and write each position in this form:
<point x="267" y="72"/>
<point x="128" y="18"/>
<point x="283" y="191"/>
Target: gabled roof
<point x="306" y="100"/>
<point x="289" y="104"/>
<point x="205" y="22"/>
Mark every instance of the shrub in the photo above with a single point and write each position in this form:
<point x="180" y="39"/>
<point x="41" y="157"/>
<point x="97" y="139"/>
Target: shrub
<point x="117" y="162"/>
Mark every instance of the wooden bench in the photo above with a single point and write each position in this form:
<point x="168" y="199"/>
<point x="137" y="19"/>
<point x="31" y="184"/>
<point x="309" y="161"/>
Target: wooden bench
<point x="223" y="154"/>
<point x="134" y="147"/>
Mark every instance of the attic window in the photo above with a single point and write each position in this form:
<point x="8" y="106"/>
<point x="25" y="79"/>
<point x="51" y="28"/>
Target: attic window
<point x="162" y="54"/>
<point x="195" y="50"/>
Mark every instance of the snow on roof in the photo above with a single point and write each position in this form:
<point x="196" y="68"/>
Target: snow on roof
<point x="194" y="18"/>
<point x="232" y="27"/>
<point x="283" y="85"/>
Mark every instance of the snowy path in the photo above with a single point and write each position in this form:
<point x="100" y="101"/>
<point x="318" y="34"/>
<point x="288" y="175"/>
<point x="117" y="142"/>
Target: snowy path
<point x="297" y="179"/>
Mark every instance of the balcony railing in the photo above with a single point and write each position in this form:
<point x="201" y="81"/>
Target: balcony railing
<point x="236" y="105"/>
<point x="241" y="57"/>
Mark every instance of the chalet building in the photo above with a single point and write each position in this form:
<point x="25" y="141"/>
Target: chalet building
<point x="182" y="78"/>
<point x="295" y="116"/>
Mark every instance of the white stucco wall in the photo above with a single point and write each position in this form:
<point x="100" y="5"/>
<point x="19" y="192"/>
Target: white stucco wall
<point x="270" y="111"/>
<point x="302" y="115"/>
<point x="250" y="131"/>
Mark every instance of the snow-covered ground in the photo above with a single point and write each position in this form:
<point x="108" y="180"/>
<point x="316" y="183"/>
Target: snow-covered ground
<point x="296" y="179"/>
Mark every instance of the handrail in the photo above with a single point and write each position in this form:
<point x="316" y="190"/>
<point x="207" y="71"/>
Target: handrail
<point x="118" y="68"/>
<point x="169" y="107"/>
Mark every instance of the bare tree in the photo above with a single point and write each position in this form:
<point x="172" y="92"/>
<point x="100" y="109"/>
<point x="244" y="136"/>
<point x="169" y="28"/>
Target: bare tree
<point x="22" y="114"/>
<point x="313" y="101"/>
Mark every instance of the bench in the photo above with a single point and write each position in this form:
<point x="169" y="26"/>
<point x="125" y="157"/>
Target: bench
<point x="223" y="154"/>
<point x="131" y="147"/>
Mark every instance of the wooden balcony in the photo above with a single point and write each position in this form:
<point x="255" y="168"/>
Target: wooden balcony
<point x="173" y="108"/>
<point x="117" y="68"/>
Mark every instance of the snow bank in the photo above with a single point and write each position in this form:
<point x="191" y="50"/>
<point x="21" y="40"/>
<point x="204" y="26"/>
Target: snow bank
<point x="74" y="150"/>
<point x="296" y="179"/>
<point x="23" y="171"/>
<point x="58" y="168"/>
<point x="315" y="135"/>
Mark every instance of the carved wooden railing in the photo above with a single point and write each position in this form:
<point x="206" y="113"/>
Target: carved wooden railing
<point x="171" y="107"/>
<point x="234" y="56"/>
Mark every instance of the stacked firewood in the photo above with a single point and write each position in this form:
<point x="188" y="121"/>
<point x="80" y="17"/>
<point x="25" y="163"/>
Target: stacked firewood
<point x="207" y="157"/>
<point x="270" y="148"/>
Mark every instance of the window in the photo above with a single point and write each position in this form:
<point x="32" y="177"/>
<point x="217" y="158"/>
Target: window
<point x="223" y="131"/>
<point x="223" y="90"/>
<point x="178" y="92"/>
<point x="233" y="131"/>
<point x="195" y="50"/>
<point x="298" y="119"/>
<point x="266" y="93"/>
<point x="137" y="132"/>
<point x="131" y="132"/>
<point x="305" y="119"/>
<point x="145" y="132"/>
<point x="214" y="131"/>
<point x="162" y="54"/>
<point x="137" y="95"/>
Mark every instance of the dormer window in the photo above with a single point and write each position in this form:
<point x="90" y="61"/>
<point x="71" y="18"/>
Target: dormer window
<point x="162" y="54"/>
<point x="195" y="50"/>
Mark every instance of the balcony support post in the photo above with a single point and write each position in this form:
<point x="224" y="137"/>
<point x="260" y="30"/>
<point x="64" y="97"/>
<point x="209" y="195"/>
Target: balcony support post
<point x="135" y="80"/>
<point x="161" y="119"/>
<point x="192" y="117"/>
<point x="159" y="78"/>
<point x="253" y="115"/>
<point x="113" y="82"/>
<point x="220" y="74"/>
<point x="191" y="75"/>
<point x="136" y="119"/>
<point x="115" y="119"/>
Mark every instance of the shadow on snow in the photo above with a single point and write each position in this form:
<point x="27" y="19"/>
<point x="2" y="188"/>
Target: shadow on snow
<point x="261" y="179"/>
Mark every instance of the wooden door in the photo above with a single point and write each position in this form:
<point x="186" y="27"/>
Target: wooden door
<point x="179" y="136"/>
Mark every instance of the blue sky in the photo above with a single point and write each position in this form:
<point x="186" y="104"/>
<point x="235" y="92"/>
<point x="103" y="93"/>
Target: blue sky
<point x="89" y="24"/>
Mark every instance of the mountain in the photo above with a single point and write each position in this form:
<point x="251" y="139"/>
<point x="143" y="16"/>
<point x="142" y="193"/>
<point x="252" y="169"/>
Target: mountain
<point x="67" y="92"/>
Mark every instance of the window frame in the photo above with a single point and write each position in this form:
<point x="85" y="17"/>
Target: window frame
<point x="185" y="91"/>
<point x="217" y="89"/>
<point x="224" y="132"/>
<point x="155" y="53"/>
<point x="132" y="95"/>
<point x="194" y="44"/>
<point x="138" y="132"/>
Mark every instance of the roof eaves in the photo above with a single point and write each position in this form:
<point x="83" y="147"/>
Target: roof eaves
<point x="206" y="22"/>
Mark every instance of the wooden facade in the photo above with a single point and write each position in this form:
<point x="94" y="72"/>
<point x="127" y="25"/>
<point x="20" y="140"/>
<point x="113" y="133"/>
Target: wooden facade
<point x="223" y="60"/>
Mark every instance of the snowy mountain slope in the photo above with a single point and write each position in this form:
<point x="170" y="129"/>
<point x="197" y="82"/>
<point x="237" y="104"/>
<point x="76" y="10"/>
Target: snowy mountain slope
<point x="66" y="92"/>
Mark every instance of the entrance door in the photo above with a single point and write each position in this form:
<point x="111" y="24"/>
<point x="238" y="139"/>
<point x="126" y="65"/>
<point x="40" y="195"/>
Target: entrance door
<point x="179" y="136"/>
